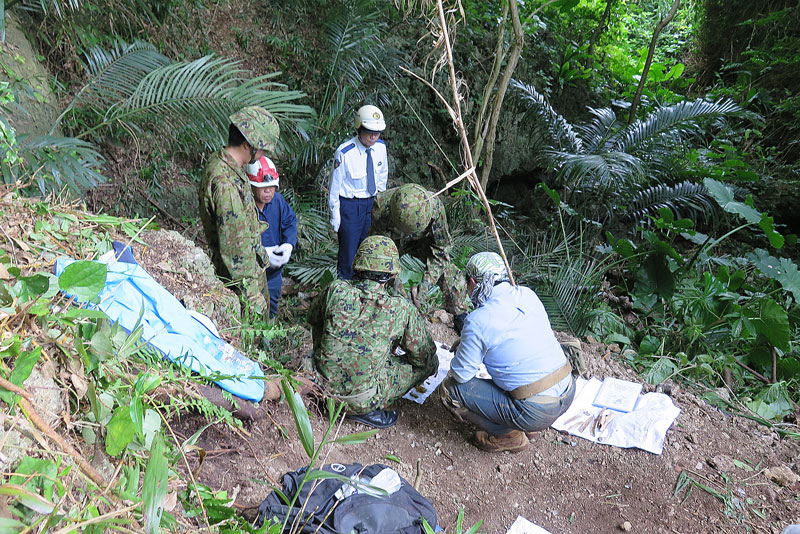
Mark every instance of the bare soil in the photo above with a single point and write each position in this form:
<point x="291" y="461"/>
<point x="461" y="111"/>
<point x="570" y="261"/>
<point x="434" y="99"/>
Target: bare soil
<point x="560" y="482"/>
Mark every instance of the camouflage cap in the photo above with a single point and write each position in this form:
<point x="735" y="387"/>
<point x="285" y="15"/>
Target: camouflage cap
<point x="258" y="126"/>
<point x="379" y="254"/>
<point x="411" y="208"/>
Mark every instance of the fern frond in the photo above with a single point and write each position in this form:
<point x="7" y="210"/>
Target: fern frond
<point x="55" y="162"/>
<point x="568" y="295"/>
<point x="676" y="122"/>
<point x="597" y="172"/>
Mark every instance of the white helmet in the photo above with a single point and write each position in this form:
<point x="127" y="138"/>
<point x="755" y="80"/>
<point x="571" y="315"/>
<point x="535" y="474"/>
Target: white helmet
<point x="262" y="173"/>
<point x="371" y="118"/>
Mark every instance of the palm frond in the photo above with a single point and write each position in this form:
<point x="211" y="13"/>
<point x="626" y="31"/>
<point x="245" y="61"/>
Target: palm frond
<point x="548" y="128"/>
<point x="352" y="31"/>
<point x="58" y="7"/>
<point x="685" y="199"/>
<point x="116" y="73"/>
<point x="678" y="121"/>
<point x="595" y="133"/>
<point x="568" y="295"/>
<point x="55" y="162"/>
<point x="202" y="94"/>
<point x="312" y="269"/>
<point x="597" y="172"/>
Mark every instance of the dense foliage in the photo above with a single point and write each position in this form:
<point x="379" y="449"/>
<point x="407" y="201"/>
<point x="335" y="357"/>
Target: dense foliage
<point x="668" y="230"/>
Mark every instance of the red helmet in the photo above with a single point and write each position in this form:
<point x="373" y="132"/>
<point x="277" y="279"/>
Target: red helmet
<point x="263" y="173"/>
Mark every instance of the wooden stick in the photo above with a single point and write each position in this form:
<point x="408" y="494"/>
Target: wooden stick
<point x="418" y="477"/>
<point x="453" y="182"/>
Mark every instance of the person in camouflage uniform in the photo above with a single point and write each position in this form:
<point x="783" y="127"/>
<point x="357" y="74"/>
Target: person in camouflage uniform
<point x="227" y="208"/>
<point x="357" y="326"/>
<point x="418" y="224"/>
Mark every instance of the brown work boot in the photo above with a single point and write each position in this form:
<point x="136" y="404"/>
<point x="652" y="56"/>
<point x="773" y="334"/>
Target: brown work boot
<point x="514" y="441"/>
<point x="531" y="435"/>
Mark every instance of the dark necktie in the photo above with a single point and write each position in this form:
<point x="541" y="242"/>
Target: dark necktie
<point x="370" y="174"/>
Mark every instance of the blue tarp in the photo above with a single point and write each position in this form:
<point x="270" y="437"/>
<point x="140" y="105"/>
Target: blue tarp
<point x="132" y="297"/>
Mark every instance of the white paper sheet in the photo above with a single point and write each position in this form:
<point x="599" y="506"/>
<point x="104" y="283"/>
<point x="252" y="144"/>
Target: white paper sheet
<point x="424" y="390"/>
<point x="644" y="428"/>
<point x="523" y="526"/>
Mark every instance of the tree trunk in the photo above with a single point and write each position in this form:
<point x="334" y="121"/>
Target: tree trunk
<point x="601" y="26"/>
<point x="500" y="52"/>
<point x="656" y="32"/>
<point x="516" y="53"/>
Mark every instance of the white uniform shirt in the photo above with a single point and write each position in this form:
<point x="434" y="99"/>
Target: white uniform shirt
<point x="349" y="178"/>
<point x="511" y="334"/>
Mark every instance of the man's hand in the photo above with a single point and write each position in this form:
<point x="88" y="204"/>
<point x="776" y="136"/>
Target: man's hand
<point x="282" y="255"/>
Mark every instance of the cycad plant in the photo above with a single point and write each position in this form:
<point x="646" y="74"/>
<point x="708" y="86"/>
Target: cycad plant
<point x="131" y="88"/>
<point x="610" y="170"/>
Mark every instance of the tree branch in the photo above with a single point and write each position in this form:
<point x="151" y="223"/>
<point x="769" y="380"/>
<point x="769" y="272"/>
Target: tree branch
<point x="656" y="32"/>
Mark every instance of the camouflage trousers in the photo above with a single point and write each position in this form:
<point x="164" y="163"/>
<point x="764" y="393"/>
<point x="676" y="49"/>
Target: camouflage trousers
<point x="390" y="383"/>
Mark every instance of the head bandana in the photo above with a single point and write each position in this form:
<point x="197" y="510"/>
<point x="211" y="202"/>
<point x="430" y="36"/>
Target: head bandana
<point x="487" y="269"/>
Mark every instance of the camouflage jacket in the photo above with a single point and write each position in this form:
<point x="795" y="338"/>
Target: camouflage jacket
<point x="431" y="241"/>
<point x="356" y="324"/>
<point x="233" y="231"/>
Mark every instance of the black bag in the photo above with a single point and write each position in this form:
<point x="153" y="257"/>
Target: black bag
<point x="360" y="513"/>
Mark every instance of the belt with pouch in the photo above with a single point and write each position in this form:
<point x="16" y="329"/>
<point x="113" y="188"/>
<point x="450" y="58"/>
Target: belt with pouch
<point x="544" y="383"/>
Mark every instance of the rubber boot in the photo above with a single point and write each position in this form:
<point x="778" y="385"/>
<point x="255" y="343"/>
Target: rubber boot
<point x="514" y="441"/>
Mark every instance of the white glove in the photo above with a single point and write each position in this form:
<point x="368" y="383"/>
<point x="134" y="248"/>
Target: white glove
<point x="335" y="224"/>
<point x="270" y="254"/>
<point x="282" y="255"/>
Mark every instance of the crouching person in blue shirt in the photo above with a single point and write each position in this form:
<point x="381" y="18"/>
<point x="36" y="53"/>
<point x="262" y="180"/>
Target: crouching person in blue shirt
<point x="280" y="236"/>
<point x="531" y="380"/>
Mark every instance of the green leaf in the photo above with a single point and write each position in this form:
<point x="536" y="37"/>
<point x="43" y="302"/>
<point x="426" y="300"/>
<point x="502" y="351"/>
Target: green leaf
<point x="301" y="418"/>
<point x="772" y="402"/>
<point x="773" y="324"/>
<point x="662" y="369"/>
<point x="724" y="197"/>
<point x="136" y="413"/>
<point x="84" y="279"/>
<point x="119" y="431"/>
<point x="24" y="365"/>
<point x="353" y="439"/>
<point x="27" y="498"/>
<point x="36" y="473"/>
<point x="767" y="224"/>
<point x="84" y="313"/>
<point x="154" y="487"/>
<point x="28" y="288"/>
<point x="393" y="458"/>
<point x="783" y="270"/>
<point x="649" y="345"/>
<point x="10" y="526"/>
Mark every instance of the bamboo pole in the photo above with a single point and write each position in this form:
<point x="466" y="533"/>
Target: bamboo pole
<point x="472" y="177"/>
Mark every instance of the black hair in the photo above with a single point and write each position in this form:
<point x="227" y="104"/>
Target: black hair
<point x="375" y="276"/>
<point x="235" y="137"/>
<point x="361" y="129"/>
